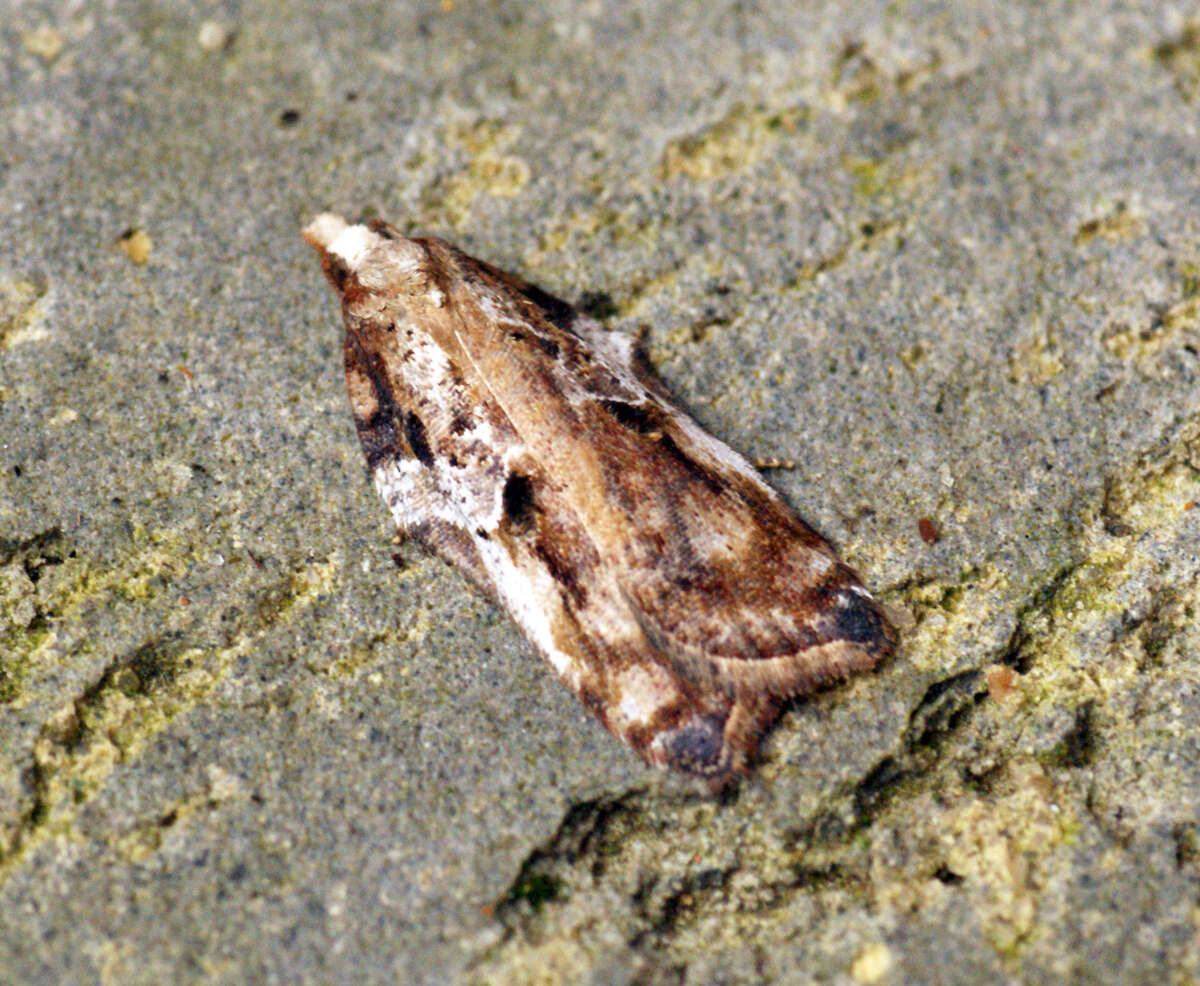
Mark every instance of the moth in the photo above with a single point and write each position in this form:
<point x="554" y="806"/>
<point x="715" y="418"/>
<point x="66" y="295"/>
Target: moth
<point x="668" y="586"/>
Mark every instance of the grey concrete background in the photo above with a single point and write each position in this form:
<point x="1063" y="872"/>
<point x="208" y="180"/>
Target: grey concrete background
<point x="944" y="256"/>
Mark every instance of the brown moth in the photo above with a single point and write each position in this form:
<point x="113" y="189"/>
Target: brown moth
<point x="668" y="586"/>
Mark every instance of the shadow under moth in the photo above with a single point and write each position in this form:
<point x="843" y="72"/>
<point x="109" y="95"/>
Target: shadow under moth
<point x="669" y="587"/>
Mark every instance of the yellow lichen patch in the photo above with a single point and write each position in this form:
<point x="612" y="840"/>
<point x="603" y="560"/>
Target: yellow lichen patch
<point x="309" y="581"/>
<point x="583" y="224"/>
<point x="881" y="181"/>
<point x="503" y="177"/>
<point x="998" y="848"/>
<point x="1189" y="274"/>
<point x="856" y="79"/>
<point x="45" y="42"/>
<point x="1155" y="493"/>
<point x="1087" y="595"/>
<point x="1122" y="340"/>
<point x="110" y="723"/>
<point x="862" y="75"/>
<point x="1183" y="316"/>
<point x="17" y="594"/>
<point x="1001" y="843"/>
<point x="136" y="245"/>
<point x="1120" y="575"/>
<point x="913" y="355"/>
<point x="1116" y="223"/>
<point x="139" y="692"/>
<point x="1181" y="56"/>
<point x="870" y="176"/>
<point x="731" y="144"/>
<point x="1177" y="323"/>
<point x="489" y="170"/>
<point x="947" y="616"/>
<point x="22" y="313"/>
<point x="1173" y="489"/>
<point x="475" y="136"/>
<point x="351" y="662"/>
<point x="550" y="963"/>
<point x="997" y="843"/>
<point x="873" y="964"/>
<point x="1037" y="356"/>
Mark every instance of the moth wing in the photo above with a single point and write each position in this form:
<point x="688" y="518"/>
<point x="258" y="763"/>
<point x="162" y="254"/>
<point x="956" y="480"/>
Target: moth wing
<point x="772" y="612"/>
<point x="723" y="577"/>
<point x="667" y="584"/>
<point x="735" y="586"/>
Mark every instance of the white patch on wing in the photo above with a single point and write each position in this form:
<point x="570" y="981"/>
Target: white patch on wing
<point x="352" y="245"/>
<point x="479" y="502"/>
<point x="427" y="369"/>
<point x="717" y="449"/>
<point x="389" y="265"/>
<point x="379" y="262"/>
<point x="818" y="563"/>
<point x="525" y="602"/>
<point x="497" y="313"/>
<point x="407" y="488"/>
<point x="413" y="494"/>
<point x="404" y="485"/>
<point x="643" y="691"/>
<point x="324" y="229"/>
<point x="615" y="349"/>
<point x="466" y="495"/>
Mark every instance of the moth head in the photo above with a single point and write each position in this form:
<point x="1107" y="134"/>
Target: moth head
<point x="378" y="256"/>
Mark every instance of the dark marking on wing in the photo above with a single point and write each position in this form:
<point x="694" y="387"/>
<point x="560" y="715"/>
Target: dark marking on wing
<point x="380" y="433"/>
<point x="563" y="570"/>
<point x="384" y="229"/>
<point x="414" y="431"/>
<point x="858" y="620"/>
<point x="696" y="747"/>
<point x="641" y="418"/>
<point x="556" y="311"/>
<point x="379" y="437"/>
<point x="547" y="346"/>
<point x="714" y="484"/>
<point x="336" y="271"/>
<point x="517" y="498"/>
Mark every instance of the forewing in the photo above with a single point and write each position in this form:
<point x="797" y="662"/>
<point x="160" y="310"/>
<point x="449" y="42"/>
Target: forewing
<point x="725" y="580"/>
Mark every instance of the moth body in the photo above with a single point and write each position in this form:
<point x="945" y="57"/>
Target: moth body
<point x="667" y="585"/>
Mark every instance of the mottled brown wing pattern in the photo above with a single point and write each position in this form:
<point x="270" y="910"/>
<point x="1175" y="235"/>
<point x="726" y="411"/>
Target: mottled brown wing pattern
<point x="667" y="585"/>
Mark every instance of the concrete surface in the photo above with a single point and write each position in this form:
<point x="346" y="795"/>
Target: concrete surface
<point x="946" y="257"/>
